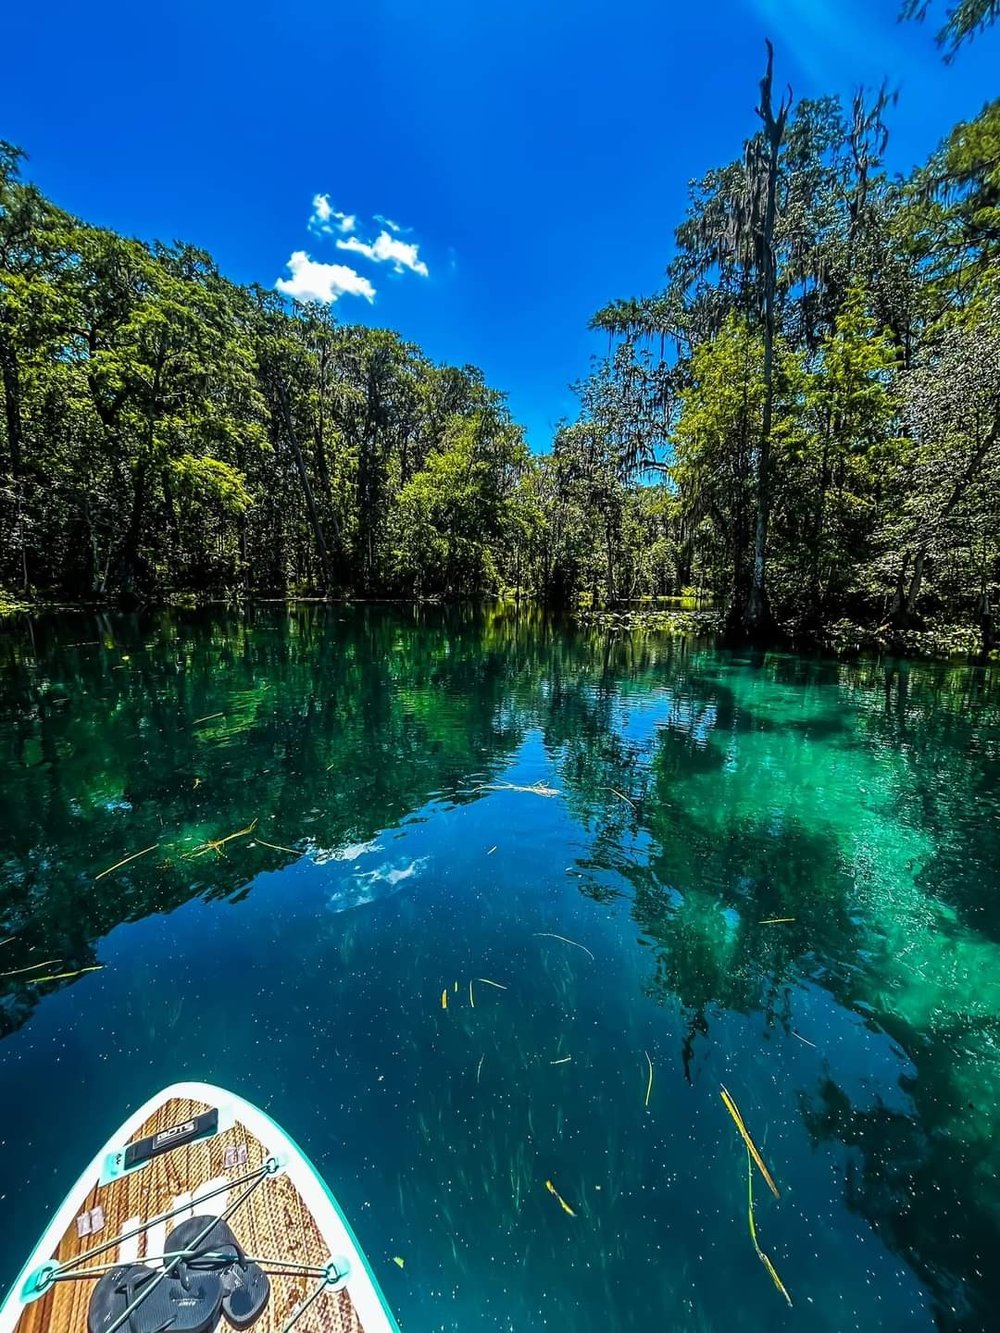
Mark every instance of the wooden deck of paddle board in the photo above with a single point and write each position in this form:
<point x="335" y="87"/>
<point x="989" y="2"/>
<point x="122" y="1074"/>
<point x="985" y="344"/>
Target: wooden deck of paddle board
<point x="272" y="1223"/>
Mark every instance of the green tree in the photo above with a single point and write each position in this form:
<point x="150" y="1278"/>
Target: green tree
<point x="963" y="21"/>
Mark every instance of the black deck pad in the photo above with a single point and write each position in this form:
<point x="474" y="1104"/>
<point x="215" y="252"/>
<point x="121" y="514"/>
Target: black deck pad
<point x="245" y="1285"/>
<point x="201" y="1126"/>
<point x="161" y="1303"/>
<point x="113" y="1295"/>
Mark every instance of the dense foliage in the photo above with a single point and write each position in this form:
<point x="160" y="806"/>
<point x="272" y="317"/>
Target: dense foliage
<point x="802" y="426"/>
<point x="167" y="430"/>
<point x="820" y="378"/>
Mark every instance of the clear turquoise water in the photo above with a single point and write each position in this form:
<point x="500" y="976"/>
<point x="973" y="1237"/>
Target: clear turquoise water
<point x="697" y="795"/>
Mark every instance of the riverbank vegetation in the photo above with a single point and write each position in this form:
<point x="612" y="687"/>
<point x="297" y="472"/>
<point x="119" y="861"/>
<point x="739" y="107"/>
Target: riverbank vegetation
<point x="802" y="426"/>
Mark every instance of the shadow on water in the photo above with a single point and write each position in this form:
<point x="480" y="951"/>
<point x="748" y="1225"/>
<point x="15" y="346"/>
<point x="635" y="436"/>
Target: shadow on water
<point x="785" y="871"/>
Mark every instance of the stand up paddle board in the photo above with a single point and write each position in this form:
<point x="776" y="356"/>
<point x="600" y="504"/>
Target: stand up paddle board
<point x="200" y="1214"/>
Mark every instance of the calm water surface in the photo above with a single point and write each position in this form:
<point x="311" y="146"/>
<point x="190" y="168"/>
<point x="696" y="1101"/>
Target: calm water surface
<point x="779" y="875"/>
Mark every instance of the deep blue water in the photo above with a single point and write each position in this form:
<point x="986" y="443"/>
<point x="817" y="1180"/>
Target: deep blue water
<point x="774" y="874"/>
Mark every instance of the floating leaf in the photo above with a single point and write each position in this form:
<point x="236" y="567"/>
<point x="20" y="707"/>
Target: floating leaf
<point x="118" y="864"/>
<point x="753" y="1234"/>
<point x="556" y="1195"/>
<point x="64" y="976"/>
<point x="33" y="967"/>
<point x="734" y="1111"/>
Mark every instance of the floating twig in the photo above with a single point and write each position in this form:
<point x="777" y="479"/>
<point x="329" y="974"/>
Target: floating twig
<point x="753" y="1234"/>
<point x="118" y="864"/>
<point x="803" y="1039"/>
<point x="538" y="788"/>
<point x="479" y="1067"/>
<point x="63" y="976"/>
<point x="216" y="844"/>
<point x="564" y="1061"/>
<point x="628" y="799"/>
<point x="734" y="1111"/>
<point x="486" y="982"/>
<point x="49" y="962"/>
<point x="276" y="846"/>
<point x="649" y="1085"/>
<point x="776" y="920"/>
<point x="547" y="934"/>
<point x="209" y="717"/>
<point x="491" y="851"/>
<point x="472" y="1002"/>
<point x="556" y="1195"/>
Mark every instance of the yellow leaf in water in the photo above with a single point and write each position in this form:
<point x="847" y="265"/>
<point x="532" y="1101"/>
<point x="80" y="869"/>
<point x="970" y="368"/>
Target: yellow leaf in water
<point x="734" y="1111"/>
<point x="444" y="998"/>
<point x="561" y="1201"/>
<point x="397" y="1261"/>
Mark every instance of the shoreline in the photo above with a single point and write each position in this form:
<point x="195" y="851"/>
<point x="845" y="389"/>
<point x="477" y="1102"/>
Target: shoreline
<point x="843" y="639"/>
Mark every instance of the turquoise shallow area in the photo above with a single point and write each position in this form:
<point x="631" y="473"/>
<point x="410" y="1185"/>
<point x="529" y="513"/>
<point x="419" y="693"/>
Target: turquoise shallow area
<point x="775" y="874"/>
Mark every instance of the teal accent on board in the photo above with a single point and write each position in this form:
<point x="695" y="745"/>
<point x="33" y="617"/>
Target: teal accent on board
<point x="38" y="1282"/>
<point x="331" y="1197"/>
<point x="114" y="1167"/>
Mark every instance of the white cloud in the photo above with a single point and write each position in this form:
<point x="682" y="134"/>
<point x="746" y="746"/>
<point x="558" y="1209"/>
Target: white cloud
<point x="325" y="219"/>
<point x="312" y="281"/>
<point x="388" y="222"/>
<point x="401" y="254"/>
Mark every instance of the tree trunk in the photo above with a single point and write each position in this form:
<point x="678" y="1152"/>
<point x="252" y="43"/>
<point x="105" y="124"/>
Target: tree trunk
<point x="10" y="374"/>
<point x="609" y="561"/>
<point x="818" y="524"/>
<point x="133" y="535"/>
<point x="758" y="623"/>
<point x="902" y="612"/>
<point x="284" y="406"/>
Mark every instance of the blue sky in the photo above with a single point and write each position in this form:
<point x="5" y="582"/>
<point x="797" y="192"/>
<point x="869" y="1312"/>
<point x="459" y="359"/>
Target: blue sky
<point x="534" y="154"/>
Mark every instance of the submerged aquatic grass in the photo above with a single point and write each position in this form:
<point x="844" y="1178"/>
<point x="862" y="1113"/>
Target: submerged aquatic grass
<point x="771" y="1270"/>
<point x="547" y="934"/>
